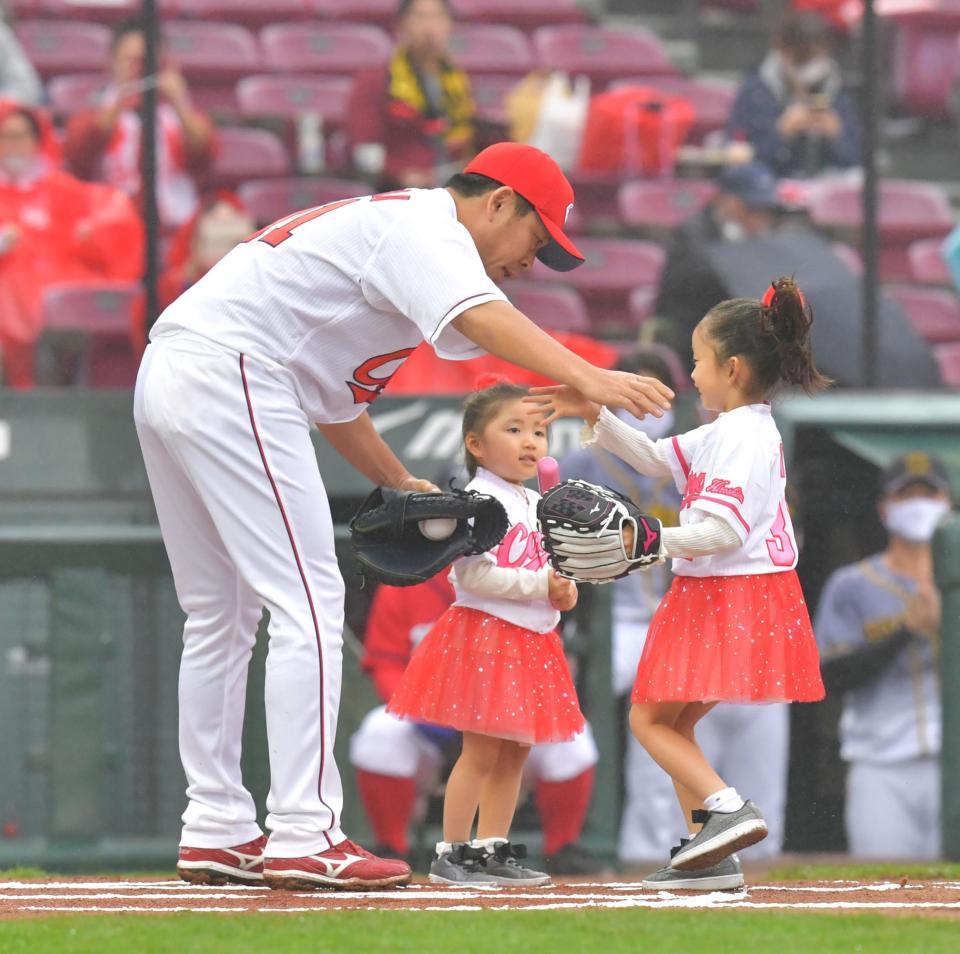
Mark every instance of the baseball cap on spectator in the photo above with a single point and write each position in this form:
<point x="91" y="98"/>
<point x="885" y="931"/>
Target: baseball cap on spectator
<point x="917" y="467"/>
<point x="753" y="183"/>
<point x="536" y="177"/>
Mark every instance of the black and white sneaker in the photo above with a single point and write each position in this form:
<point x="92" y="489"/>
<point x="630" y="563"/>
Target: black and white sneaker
<point x="503" y="864"/>
<point x="462" y="864"/>
<point x="725" y="876"/>
<point x="722" y="834"/>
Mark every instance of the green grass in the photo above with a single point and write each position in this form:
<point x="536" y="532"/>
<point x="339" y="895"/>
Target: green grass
<point x="524" y="932"/>
<point x="872" y="871"/>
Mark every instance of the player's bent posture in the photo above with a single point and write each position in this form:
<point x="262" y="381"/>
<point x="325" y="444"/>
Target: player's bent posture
<point x="307" y="321"/>
<point x="734" y="626"/>
<point x="878" y="626"/>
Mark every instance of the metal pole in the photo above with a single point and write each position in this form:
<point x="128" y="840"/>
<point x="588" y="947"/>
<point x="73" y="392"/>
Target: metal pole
<point x="148" y="161"/>
<point x="871" y="105"/>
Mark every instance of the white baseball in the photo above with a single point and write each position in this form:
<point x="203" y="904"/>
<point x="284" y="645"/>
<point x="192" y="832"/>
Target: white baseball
<point x="439" y="528"/>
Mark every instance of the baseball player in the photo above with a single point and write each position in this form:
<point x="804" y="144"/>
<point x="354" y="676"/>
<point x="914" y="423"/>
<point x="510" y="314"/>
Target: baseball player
<point x="306" y="322"/>
<point x="398" y="761"/>
<point x="878" y="626"/>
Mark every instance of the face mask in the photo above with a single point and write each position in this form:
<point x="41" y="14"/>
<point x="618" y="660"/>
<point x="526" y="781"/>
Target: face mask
<point x="653" y="427"/>
<point x="812" y="73"/>
<point x="916" y="519"/>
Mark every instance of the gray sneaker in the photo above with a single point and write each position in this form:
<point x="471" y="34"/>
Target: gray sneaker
<point x="462" y="864"/>
<point x="503" y="864"/>
<point x="726" y="876"/>
<point x="722" y="834"/>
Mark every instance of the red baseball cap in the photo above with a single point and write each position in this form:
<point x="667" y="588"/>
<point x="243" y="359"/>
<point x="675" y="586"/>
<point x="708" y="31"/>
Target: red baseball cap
<point x="532" y="174"/>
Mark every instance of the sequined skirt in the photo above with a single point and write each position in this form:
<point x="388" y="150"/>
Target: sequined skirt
<point x="733" y="639"/>
<point x="478" y="673"/>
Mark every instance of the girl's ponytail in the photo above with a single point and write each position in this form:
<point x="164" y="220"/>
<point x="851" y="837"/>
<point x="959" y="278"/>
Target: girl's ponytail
<point x="785" y="317"/>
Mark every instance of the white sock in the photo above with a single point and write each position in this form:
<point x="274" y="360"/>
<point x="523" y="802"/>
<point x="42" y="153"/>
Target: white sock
<point x="444" y="846"/>
<point x="725" y="801"/>
<point x="488" y="844"/>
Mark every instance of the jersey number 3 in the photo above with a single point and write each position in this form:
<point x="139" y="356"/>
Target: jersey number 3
<point x="780" y="543"/>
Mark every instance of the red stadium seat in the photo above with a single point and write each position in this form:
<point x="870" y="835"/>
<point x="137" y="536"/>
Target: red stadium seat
<point x="602" y="53"/>
<point x="927" y="264"/>
<point x="908" y="211"/>
<point x="65" y="46"/>
<point x="485" y="48"/>
<point x="291" y="96"/>
<point x="74" y="91"/>
<point x="523" y="14"/>
<point x="248" y="154"/>
<point x="711" y="99"/>
<point x="550" y="305"/>
<point x="248" y="13"/>
<point x="218" y="100"/>
<point x="490" y="92"/>
<point x="22" y="9"/>
<point x="933" y="312"/>
<point x="271" y="199"/>
<point x="323" y="47"/>
<point x="948" y="357"/>
<point x="383" y="13"/>
<point x="212" y="51"/>
<point x="662" y="204"/>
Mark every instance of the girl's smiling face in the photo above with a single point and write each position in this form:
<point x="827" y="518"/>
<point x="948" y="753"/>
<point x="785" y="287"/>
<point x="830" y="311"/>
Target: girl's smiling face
<point x="510" y="444"/>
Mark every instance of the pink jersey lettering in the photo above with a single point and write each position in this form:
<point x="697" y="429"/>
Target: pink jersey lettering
<point x="521" y="549"/>
<point x="719" y="486"/>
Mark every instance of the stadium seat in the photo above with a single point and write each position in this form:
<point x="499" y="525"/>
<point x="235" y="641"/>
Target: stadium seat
<point x="662" y="204"/>
<point x="523" y="14"/>
<point x="382" y="13"/>
<point x="602" y="53"/>
<point x="948" y="357"/>
<point x="217" y="99"/>
<point x="550" y="305"/>
<point x="342" y="48"/>
<point x="74" y="91"/>
<point x="711" y="99"/>
<point x="23" y="9"/>
<point x="212" y="51"/>
<point x="486" y="48"/>
<point x="247" y="13"/>
<point x="291" y="96"/>
<point x="65" y="46"/>
<point x="98" y="11"/>
<point x="908" y="211"/>
<point x="248" y="154"/>
<point x="641" y="304"/>
<point x="927" y="264"/>
<point x="271" y="199"/>
<point x="933" y="312"/>
<point x="490" y="92"/>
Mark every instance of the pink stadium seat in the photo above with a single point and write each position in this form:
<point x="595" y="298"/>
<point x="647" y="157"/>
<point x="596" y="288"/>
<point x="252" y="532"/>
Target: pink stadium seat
<point x="550" y="305"/>
<point x="383" y="13"/>
<point x="662" y="203"/>
<point x="65" y="46"/>
<point x="97" y="11"/>
<point x="602" y="53"/>
<point x="271" y="199"/>
<point x="218" y="100"/>
<point x="74" y="91"/>
<point x="927" y="264"/>
<point x="641" y="303"/>
<point x="486" y="48"/>
<point x="248" y="13"/>
<point x="934" y="312"/>
<point x="248" y="154"/>
<point x="948" y="357"/>
<point x="323" y="47"/>
<point x="908" y="211"/>
<point x="849" y="256"/>
<point x="104" y="308"/>
<point x="490" y="95"/>
<point x="524" y="14"/>
<point x="212" y="51"/>
<point x="22" y="9"/>
<point x="292" y="96"/>
<point x="712" y="101"/>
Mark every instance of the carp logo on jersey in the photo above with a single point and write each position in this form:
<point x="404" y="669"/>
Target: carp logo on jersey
<point x="695" y="484"/>
<point x="366" y="386"/>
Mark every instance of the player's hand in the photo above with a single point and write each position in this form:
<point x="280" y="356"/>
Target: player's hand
<point x="638" y="395"/>
<point x="418" y="485"/>
<point x="562" y="592"/>
<point x="924" y="610"/>
<point x="560" y="400"/>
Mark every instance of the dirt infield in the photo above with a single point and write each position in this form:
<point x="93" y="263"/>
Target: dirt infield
<point x="20" y="899"/>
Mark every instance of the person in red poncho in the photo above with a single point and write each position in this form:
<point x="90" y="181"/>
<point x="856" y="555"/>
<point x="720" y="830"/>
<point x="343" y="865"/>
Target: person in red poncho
<point x="53" y="229"/>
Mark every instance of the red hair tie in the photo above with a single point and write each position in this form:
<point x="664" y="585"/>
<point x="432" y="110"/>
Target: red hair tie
<point x="767" y="299"/>
<point x="489" y="379"/>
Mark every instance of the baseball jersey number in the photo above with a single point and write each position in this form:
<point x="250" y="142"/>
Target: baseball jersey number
<point x="780" y="544"/>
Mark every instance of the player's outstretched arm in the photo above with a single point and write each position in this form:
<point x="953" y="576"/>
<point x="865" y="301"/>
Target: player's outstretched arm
<point x="358" y="442"/>
<point x="502" y="330"/>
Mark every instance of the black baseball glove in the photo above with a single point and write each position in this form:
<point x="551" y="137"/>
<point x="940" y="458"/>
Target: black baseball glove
<point x="391" y="547"/>
<point x="584" y="531"/>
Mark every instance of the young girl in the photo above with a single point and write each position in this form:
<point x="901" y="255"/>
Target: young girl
<point x="734" y="626"/>
<point x="493" y="665"/>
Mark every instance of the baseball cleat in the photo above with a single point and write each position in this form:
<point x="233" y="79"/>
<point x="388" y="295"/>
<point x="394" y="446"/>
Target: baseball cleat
<point x="725" y="876"/>
<point x="722" y="834"/>
<point x="240" y="865"/>
<point x="345" y="866"/>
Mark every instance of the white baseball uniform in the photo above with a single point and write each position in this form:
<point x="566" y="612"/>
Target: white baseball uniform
<point x="305" y="322"/>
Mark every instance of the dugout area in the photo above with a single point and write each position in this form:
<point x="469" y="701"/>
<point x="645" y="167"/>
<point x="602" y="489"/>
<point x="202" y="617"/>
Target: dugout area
<point x="90" y="634"/>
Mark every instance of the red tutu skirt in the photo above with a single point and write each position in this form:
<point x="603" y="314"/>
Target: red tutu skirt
<point x="730" y="639"/>
<point x="478" y="673"/>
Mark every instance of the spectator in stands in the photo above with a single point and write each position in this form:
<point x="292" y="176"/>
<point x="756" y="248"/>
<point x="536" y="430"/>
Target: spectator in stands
<point x="746" y="206"/>
<point x="793" y="109"/>
<point x="103" y="142"/>
<point x="412" y="124"/>
<point x="53" y="229"/>
<point x="878" y="626"/>
<point x="18" y="78"/>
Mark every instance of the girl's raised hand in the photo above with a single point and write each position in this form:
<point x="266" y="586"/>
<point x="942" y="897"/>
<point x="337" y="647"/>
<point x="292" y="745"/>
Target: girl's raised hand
<point x="560" y="400"/>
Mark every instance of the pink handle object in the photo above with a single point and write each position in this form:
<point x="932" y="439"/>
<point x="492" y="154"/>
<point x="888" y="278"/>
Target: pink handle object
<point x="548" y="473"/>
